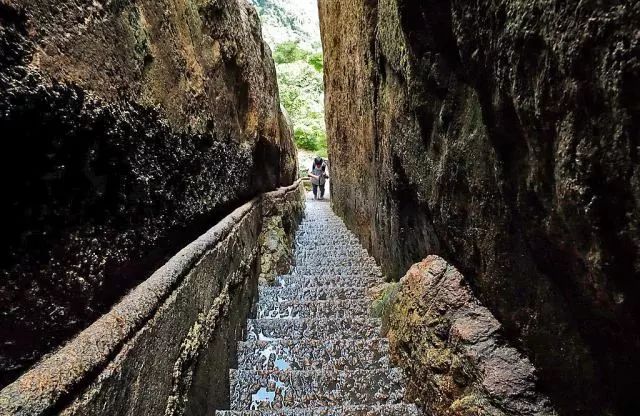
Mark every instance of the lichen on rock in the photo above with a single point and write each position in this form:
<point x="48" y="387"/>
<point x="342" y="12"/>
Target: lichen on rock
<point x="276" y="237"/>
<point x="276" y="251"/>
<point x="453" y="351"/>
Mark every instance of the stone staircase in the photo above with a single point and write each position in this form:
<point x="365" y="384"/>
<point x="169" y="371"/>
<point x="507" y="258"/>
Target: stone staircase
<point x="313" y="349"/>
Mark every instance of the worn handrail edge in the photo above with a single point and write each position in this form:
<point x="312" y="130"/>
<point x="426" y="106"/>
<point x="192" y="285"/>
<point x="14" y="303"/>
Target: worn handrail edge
<point x="58" y="375"/>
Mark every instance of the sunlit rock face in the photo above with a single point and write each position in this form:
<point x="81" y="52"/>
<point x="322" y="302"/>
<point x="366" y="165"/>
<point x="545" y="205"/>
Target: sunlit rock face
<point x="129" y="128"/>
<point x="504" y="137"/>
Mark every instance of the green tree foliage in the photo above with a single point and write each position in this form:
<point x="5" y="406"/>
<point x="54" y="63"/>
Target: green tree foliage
<point x="302" y="94"/>
<point x="316" y="61"/>
<point x="288" y="52"/>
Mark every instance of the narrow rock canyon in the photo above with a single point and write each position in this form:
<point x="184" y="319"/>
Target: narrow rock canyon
<point x="504" y="137"/>
<point x="484" y="152"/>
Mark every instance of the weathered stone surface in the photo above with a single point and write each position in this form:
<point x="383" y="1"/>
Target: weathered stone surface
<point x="313" y="308"/>
<point x="451" y="347"/>
<point x="502" y="135"/>
<point x="329" y="387"/>
<point x="276" y="239"/>
<point x="314" y="354"/>
<point x="166" y="347"/>
<point x="129" y="128"/>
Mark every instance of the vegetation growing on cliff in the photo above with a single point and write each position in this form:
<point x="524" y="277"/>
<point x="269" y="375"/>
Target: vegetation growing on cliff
<point x="301" y="92"/>
<point x="291" y="28"/>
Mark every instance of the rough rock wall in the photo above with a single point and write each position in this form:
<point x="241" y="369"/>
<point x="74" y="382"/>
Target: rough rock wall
<point x="464" y="365"/>
<point x="504" y="136"/>
<point x="129" y="127"/>
<point x="279" y="225"/>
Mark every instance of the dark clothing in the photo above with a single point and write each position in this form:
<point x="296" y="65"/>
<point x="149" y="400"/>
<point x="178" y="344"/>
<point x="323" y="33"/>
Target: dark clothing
<point x="315" y="190"/>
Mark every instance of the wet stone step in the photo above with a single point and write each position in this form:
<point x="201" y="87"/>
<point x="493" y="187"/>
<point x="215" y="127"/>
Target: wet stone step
<point x="327" y="234"/>
<point x="333" y="249"/>
<point x="327" y="242"/>
<point x="337" y="262"/>
<point x="351" y="280"/>
<point x="328" y="268"/>
<point x="256" y="390"/>
<point x="371" y="410"/>
<point x="324" y="329"/>
<point x="313" y="354"/>
<point x="334" y="260"/>
<point x="269" y="295"/>
<point x="337" y="235"/>
<point x="294" y="309"/>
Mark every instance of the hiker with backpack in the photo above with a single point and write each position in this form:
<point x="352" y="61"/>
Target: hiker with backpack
<point x="318" y="175"/>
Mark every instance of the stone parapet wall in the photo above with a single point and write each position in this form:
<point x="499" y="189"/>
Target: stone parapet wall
<point x="165" y="347"/>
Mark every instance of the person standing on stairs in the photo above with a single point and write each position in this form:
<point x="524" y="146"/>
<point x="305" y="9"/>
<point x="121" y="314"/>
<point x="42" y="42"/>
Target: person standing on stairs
<point x="318" y="175"/>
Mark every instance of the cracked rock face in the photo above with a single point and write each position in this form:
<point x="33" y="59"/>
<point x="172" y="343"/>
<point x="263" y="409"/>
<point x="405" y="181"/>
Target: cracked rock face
<point x="502" y="135"/>
<point x="129" y="129"/>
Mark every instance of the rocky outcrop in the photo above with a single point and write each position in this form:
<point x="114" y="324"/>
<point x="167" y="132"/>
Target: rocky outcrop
<point x="504" y="137"/>
<point x="452" y="349"/>
<point x="129" y="127"/>
<point x="280" y="222"/>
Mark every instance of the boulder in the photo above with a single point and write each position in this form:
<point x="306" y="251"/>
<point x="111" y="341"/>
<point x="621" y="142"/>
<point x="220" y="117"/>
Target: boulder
<point x="453" y="351"/>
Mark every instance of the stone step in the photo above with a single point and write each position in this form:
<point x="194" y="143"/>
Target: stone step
<point x="269" y="295"/>
<point x="326" y="229"/>
<point x="354" y="280"/>
<point x="319" y="260"/>
<point x="335" y="261"/>
<point x="321" y="227"/>
<point x="373" y="410"/>
<point x="332" y="249"/>
<point x="322" y="328"/>
<point x="256" y="390"/>
<point x="331" y="269"/>
<point x="336" y="354"/>
<point x="327" y="245"/>
<point x="340" y="250"/>
<point x="294" y="309"/>
<point x="331" y="236"/>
